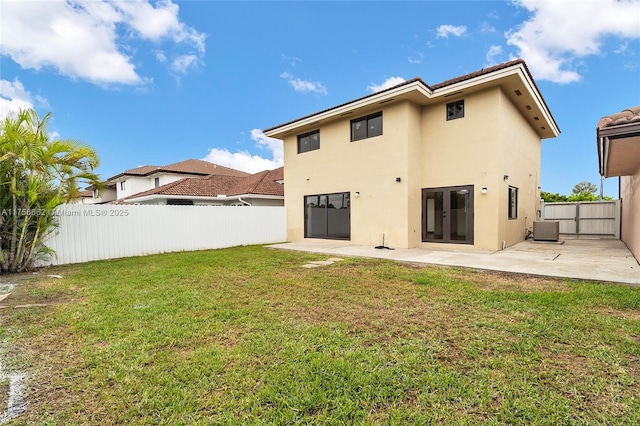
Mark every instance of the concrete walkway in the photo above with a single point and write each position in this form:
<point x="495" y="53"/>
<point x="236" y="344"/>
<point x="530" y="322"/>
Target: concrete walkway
<point x="594" y="260"/>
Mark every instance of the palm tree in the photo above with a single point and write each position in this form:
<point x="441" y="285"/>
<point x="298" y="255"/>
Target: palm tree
<point x="36" y="176"/>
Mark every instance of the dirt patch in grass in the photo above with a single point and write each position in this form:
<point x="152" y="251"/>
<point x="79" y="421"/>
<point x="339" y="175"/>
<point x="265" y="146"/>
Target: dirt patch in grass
<point x="629" y="314"/>
<point x="506" y="281"/>
<point x="4" y="392"/>
<point x="558" y="358"/>
<point x="38" y="289"/>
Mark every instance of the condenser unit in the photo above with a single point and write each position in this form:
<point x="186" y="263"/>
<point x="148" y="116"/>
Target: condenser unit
<point x="546" y="231"/>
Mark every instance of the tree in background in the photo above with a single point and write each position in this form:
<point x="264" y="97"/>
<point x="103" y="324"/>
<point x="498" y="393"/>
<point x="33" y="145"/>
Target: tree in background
<point x="584" y="191"/>
<point x="36" y="176"/>
<point x="584" y="188"/>
<point x="548" y="197"/>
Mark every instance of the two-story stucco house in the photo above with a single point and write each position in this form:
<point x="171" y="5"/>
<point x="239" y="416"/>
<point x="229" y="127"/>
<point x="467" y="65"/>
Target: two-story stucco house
<point x="457" y="163"/>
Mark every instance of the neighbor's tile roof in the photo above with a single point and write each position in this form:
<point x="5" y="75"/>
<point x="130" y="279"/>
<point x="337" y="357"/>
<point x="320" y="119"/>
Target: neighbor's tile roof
<point x="263" y="183"/>
<point x="445" y="83"/>
<point x="202" y="167"/>
<point x="627" y="116"/>
<point x="197" y="167"/>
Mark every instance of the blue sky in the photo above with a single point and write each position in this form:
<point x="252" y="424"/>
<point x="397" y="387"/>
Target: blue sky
<point x="152" y="83"/>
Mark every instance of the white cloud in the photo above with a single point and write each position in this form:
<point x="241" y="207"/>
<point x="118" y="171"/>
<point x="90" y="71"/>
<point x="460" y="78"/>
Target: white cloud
<point x="271" y="144"/>
<point x="14" y="96"/>
<point x="487" y="28"/>
<point x="182" y="63"/>
<point x="292" y="60"/>
<point x="417" y="59"/>
<point x="160" y="56"/>
<point x="161" y="21"/>
<point x="559" y="33"/>
<point x="493" y="52"/>
<point x="247" y="162"/>
<point x="446" y="30"/>
<point x="304" y="86"/>
<point x="390" y="82"/>
<point x="87" y="39"/>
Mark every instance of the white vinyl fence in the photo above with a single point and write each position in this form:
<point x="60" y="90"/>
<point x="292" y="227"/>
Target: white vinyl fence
<point x="591" y="219"/>
<point x="90" y="232"/>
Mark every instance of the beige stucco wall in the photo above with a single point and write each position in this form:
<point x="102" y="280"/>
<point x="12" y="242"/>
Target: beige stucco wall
<point x="368" y="166"/>
<point x="630" y="196"/>
<point x="519" y="152"/>
<point x="424" y="150"/>
<point x="463" y="152"/>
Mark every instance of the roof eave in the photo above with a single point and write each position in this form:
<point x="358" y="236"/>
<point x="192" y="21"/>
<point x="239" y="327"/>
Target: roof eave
<point x="519" y="69"/>
<point x="349" y="107"/>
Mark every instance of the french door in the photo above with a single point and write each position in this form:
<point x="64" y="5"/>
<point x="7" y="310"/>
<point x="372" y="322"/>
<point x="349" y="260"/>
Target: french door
<point x="447" y="214"/>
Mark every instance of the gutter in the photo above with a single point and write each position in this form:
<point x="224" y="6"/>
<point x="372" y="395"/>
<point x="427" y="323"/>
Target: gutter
<point x="244" y="202"/>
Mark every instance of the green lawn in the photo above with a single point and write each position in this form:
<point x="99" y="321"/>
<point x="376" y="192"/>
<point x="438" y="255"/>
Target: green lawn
<point x="245" y="335"/>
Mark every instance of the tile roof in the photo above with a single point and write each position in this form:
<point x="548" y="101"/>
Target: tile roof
<point x="197" y="167"/>
<point x="263" y="183"/>
<point x="478" y="73"/>
<point x="627" y="116"/>
<point x="140" y="171"/>
<point x="202" y="167"/>
<point x="445" y="83"/>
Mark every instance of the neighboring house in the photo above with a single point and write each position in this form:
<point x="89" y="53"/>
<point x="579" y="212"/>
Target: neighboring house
<point x="618" y="141"/>
<point x="456" y="162"/>
<point x="261" y="189"/>
<point x="145" y="178"/>
<point x="93" y="195"/>
<point x="84" y="197"/>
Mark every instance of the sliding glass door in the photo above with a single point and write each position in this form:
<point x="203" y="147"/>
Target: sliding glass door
<point x="447" y="214"/>
<point x="328" y="216"/>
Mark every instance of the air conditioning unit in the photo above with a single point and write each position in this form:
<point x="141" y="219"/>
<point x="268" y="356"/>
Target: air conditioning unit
<point x="546" y="231"/>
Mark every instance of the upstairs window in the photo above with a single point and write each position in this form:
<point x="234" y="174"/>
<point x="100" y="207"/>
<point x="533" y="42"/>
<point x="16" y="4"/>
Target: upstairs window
<point x="366" y="127"/>
<point x="122" y="185"/>
<point x="156" y="182"/>
<point x="309" y="141"/>
<point x="455" y="110"/>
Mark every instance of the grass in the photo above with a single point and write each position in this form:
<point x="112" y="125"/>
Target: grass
<point x="245" y="335"/>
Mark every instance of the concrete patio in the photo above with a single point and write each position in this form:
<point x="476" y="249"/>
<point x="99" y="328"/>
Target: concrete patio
<point x="586" y="259"/>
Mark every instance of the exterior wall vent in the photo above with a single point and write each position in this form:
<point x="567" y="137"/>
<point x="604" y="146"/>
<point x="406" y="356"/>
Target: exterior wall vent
<point x="546" y="231"/>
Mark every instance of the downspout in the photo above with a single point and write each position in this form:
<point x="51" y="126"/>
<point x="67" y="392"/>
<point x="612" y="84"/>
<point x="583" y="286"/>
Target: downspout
<point x="244" y="202"/>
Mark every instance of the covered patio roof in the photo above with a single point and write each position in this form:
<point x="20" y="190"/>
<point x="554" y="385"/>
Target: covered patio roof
<point x="618" y="141"/>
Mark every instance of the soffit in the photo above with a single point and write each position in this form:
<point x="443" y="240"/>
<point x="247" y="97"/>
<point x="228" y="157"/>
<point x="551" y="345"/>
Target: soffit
<point x="623" y="157"/>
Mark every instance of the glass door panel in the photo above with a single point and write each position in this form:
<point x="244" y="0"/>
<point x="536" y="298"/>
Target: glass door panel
<point x="338" y="223"/>
<point x="434" y="215"/>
